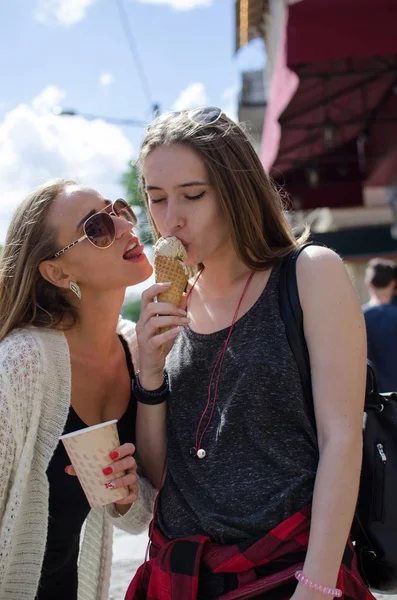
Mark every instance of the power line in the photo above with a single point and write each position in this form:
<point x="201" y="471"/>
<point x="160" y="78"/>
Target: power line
<point x="68" y="112"/>
<point x="134" y="51"/>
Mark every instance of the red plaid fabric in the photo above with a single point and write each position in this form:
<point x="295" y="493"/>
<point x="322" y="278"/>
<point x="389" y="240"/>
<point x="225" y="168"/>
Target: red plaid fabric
<point x="265" y="568"/>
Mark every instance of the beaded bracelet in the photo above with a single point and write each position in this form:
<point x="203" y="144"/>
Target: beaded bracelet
<point x="323" y="589"/>
<point x="151" y="397"/>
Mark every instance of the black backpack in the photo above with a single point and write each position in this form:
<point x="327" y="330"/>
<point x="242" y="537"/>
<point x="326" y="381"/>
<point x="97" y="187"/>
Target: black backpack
<point x="374" y="530"/>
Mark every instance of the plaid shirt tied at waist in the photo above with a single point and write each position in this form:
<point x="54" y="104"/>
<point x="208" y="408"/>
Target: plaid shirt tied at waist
<point x="265" y="567"/>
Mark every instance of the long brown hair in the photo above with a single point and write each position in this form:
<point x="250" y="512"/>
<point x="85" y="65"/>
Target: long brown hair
<point x="26" y="298"/>
<point x="250" y="201"/>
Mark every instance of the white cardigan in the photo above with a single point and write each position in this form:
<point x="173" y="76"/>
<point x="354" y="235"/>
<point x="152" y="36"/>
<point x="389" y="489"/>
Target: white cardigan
<point x="35" y="388"/>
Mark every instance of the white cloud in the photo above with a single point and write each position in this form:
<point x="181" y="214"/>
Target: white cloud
<point x="195" y="94"/>
<point x="48" y="100"/>
<point x="65" y="12"/>
<point x="231" y="92"/>
<point x="180" y="4"/>
<point x="192" y="96"/>
<point x="229" y="101"/>
<point x="106" y="79"/>
<point x="36" y="145"/>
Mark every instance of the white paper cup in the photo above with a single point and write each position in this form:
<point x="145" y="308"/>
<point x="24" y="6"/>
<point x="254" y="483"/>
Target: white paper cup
<point x="88" y="450"/>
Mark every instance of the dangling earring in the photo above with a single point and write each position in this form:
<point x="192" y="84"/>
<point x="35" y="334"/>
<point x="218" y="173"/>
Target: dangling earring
<point x="75" y="288"/>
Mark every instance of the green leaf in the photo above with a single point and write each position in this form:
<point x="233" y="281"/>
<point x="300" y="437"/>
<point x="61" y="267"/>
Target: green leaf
<point x="131" y="181"/>
<point x="131" y="310"/>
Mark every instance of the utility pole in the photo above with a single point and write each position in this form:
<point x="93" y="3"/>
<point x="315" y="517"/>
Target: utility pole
<point x="156" y="110"/>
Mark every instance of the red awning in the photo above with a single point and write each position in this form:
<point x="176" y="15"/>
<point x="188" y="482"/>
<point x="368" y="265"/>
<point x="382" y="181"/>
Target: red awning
<point x="335" y="102"/>
<point x="335" y="83"/>
<point x="329" y="29"/>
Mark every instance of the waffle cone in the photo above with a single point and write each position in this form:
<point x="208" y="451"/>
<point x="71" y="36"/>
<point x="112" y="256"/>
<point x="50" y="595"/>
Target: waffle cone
<point x="170" y="269"/>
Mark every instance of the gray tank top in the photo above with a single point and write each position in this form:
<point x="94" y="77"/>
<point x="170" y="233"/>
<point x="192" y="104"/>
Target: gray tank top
<point x="261" y="446"/>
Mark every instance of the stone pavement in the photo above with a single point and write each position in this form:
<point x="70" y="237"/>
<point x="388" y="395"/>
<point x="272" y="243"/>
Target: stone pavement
<point x="128" y="554"/>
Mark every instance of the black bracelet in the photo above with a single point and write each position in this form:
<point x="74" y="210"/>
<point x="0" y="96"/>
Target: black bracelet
<point x="151" y="397"/>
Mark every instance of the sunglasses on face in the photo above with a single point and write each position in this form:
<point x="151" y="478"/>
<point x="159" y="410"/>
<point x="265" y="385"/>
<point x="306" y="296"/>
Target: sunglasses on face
<point x="205" y="115"/>
<point x="99" y="229"/>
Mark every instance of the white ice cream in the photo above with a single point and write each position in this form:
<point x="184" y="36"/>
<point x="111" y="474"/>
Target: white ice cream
<point x="170" y="247"/>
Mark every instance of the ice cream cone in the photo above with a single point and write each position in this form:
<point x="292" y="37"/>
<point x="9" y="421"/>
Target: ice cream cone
<point x="173" y="270"/>
<point x="169" y="257"/>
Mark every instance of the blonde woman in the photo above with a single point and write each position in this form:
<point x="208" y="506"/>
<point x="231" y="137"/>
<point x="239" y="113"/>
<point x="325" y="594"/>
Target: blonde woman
<point x="261" y="486"/>
<point x="66" y="362"/>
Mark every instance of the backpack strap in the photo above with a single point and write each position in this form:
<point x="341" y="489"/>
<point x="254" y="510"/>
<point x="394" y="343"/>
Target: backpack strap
<point x="292" y="315"/>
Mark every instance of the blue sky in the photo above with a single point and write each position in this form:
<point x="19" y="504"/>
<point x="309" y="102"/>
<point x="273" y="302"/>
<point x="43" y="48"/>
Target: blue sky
<point x="74" y="54"/>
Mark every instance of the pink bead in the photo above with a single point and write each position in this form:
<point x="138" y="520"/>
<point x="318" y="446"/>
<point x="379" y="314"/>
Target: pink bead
<point x="323" y="589"/>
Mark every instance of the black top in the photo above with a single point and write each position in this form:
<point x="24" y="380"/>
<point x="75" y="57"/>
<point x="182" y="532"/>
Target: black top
<point x="261" y="447"/>
<point x="68" y="508"/>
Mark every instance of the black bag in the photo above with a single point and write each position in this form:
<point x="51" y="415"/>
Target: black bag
<point x="374" y="530"/>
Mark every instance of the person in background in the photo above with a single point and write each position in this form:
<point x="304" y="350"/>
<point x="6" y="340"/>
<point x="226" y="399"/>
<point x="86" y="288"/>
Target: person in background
<point x="66" y="362"/>
<point x="260" y="485"/>
<point x="381" y="322"/>
<point x="394" y="297"/>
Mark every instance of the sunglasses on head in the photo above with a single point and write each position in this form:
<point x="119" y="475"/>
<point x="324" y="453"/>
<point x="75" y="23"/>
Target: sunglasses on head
<point x="99" y="229"/>
<point x="205" y="115"/>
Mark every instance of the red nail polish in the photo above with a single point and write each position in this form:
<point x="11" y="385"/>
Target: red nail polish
<point x="67" y="469"/>
<point x="113" y="455"/>
<point x="107" y="471"/>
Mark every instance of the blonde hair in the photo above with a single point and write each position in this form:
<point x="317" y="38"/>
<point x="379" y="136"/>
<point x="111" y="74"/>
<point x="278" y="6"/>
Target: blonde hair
<point x="250" y="201"/>
<point x="26" y="298"/>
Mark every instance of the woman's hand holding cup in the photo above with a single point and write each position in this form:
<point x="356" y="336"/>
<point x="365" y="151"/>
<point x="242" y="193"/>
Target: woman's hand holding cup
<point x="103" y="481"/>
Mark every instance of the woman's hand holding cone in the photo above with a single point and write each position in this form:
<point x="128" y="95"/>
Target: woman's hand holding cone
<point x="158" y="325"/>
